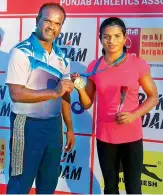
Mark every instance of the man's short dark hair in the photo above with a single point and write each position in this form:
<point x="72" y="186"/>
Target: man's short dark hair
<point x="51" y="5"/>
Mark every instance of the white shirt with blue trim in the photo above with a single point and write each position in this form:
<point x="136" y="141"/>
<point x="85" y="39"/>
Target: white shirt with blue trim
<point x="32" y="66"/>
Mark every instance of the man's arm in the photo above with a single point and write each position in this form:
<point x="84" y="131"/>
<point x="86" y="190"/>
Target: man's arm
<point x="18" y="74"/>
<point x="66" y="112"/>
<point x="66" y="101"/>
<point x="19" y="93"/>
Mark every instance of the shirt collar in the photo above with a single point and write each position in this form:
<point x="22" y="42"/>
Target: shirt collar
<point x="37" y="45"/>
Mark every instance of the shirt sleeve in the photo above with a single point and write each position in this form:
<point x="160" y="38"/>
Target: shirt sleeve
<point x="143" y="67"/>
<point x="66" y="74"/>
<point x="90" y="69"/>
<point x="18" y="68"/>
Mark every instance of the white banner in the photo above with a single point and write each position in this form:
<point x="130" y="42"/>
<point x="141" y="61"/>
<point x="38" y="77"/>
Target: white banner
<point x="3" y="5"/>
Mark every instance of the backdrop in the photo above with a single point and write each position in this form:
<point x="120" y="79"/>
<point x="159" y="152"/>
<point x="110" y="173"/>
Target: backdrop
<point x="80" y="172"/>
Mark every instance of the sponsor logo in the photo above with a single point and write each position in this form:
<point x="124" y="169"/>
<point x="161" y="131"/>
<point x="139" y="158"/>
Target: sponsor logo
<point x="69" y="42"/>
<point x="68" y="167"/>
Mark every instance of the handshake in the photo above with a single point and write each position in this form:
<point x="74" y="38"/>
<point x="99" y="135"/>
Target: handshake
<point x="66" y="86"/>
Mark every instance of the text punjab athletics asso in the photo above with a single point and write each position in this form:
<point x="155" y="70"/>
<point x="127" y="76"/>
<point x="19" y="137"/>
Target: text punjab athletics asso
<point x="110" y="2"/>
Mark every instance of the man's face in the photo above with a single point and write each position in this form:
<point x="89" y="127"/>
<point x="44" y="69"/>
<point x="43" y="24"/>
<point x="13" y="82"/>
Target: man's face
<point x="49" y="24"/>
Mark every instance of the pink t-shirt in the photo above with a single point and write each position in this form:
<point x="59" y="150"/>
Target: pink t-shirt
<point x="108" y="84"/>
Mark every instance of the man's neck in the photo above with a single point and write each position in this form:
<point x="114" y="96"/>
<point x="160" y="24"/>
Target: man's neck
<point x="46" y="45"/>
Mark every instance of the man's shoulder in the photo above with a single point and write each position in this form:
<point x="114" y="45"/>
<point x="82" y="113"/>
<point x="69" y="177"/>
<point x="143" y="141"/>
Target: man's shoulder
<point x="25" y="46"/>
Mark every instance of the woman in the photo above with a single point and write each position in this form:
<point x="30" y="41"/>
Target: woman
<point x="119" y="126"/>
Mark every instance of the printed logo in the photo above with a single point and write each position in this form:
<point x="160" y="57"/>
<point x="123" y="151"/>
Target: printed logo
<point x="70" y="45"/>
<point x="152" y="177"/>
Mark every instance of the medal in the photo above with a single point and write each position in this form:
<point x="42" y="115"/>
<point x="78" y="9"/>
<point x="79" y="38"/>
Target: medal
<point x="79" y="83"/>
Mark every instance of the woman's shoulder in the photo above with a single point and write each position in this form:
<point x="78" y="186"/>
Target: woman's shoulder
<point x="135" y="58"/>
<point x="92" y="64"/>
<point x="139" y="64"/>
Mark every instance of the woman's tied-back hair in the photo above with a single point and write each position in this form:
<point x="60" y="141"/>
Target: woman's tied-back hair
<point x="50" y="5"/>
<point x="112" y="21"/>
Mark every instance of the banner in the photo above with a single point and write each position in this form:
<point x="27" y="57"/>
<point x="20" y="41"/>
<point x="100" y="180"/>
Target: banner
<point x="79" y="170"/>
<point x="87" y="6"/>
<point x="153" y="121"/>
<point x="2" y="154"/>
<point x="152" y="178"/>
<point x="3" y="5"/>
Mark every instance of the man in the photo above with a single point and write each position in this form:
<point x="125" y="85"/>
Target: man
<point x="39" y="87"/>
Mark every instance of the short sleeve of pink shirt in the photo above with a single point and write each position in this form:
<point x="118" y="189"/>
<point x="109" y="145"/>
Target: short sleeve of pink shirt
<point x="142" y="67"/>
<point x="90" y="68"/>
<point x="108" y="84"/>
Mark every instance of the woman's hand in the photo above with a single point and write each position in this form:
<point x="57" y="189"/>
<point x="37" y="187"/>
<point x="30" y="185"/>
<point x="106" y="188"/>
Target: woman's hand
<point x="125" y="117"/>
<point x="74" y="76"/>
<point x="79" y="83"/>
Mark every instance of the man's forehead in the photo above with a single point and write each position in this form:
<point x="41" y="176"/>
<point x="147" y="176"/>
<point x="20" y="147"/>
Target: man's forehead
<point x="51" y="10"/>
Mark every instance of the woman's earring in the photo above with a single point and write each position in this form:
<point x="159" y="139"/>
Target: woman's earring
<point x="128" y="43"/>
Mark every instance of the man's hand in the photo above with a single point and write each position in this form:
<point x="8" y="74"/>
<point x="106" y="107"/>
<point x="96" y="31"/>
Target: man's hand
<point x="70" y="140"/>
<point x="74" y="76"/>
<point x="64" y="86"/>
<point x="125" y="117"/>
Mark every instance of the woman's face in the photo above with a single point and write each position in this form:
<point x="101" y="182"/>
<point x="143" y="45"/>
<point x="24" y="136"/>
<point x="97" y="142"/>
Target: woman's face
<point x="113" y="39"/>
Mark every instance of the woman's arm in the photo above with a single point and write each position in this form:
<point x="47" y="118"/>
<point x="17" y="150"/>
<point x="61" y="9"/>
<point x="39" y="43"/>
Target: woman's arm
<point x="150" y="89"/>
<point x="86" y="95"/>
